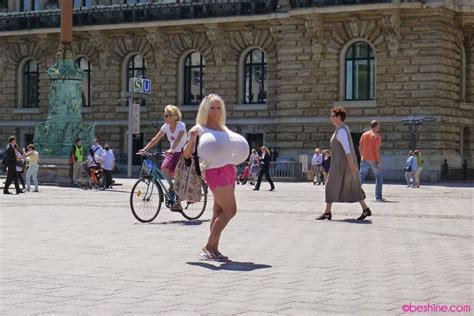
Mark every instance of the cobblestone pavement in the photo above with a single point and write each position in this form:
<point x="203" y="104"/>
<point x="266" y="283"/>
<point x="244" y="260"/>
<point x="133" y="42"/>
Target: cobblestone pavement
<point x="66" y="251"/>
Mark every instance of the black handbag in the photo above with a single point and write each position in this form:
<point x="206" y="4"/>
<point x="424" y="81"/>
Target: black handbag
<point x="408" y="169"/>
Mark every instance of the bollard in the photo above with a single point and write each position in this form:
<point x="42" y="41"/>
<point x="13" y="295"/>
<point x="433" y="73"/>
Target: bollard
<point x="464" y="170"/>
<point x="444" y="170"/>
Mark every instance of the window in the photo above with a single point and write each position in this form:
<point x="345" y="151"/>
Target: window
<point x="193" y="78"/>
<point x="255" y="73"/>
<point x="82" y="3"/>
<point x="30" y="5"/>
<point x="359" y="72"/>
<point x="136" y="69"/>
<point x="85" y="65"/>
<point x="30" y="86"/>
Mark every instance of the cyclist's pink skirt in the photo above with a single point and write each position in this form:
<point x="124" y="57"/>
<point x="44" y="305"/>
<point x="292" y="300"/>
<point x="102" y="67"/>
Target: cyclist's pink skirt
<point x="170" y="162"/>
<point x="221" y="177"/>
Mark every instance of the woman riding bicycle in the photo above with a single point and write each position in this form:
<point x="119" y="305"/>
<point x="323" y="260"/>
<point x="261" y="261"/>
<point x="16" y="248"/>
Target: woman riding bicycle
<point x="175" y="131"/>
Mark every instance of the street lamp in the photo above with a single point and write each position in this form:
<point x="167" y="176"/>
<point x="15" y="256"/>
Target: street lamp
<point x="413" y="125"/>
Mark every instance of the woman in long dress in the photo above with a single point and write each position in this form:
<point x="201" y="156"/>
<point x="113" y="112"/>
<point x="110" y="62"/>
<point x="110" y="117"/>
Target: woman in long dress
<point x="343" y="185"/>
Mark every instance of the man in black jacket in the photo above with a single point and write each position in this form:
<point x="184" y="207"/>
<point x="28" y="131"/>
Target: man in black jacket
<point x="265" y="169"/>
<point x="10" y="162"/>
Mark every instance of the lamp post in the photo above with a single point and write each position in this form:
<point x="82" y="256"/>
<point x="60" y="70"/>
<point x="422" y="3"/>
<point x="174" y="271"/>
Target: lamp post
<point x="413" y="125"/>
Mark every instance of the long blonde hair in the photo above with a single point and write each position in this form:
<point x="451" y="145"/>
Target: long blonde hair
<point x="203" y="113"/>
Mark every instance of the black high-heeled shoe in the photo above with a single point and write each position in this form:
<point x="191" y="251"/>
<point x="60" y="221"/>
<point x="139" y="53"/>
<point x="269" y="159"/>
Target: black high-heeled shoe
<point x="365" y="213"/>
<point x="327" y="216"/>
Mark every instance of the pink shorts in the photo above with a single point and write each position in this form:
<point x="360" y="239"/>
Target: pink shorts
<point x="170" y="162"/>
<point x="221" y="177"/>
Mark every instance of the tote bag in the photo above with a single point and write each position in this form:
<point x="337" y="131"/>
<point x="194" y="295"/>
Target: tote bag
<point x="188" y="182"/>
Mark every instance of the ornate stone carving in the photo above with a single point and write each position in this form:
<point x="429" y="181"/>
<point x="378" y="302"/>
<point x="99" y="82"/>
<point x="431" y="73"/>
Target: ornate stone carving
<point x="390" y="25"/>
<point x="155" y="39"/>
<point x="248" y="34"/>
<point x="215" y="37"/>
<point x="314" y="26"/>
<point x="275" y="30"/>
<point x="187" y="38"/>
<point x="354" y="27"/>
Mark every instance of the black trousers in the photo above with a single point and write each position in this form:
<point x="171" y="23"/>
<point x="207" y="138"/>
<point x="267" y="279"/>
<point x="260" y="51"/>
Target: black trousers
<point x="266" y="172"/>
<point x="11" y="177"/>
<point x="108" y="178"/>
<point x="20" y="177"/>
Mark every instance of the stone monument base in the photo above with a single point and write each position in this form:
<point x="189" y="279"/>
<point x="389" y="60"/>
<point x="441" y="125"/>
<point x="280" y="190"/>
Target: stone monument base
<point x="54" y="171"/>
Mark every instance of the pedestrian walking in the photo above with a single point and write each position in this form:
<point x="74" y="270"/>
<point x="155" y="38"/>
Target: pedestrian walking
<point x="326" y="164"/>
<point x="32" y="156"/>
<point x="410" y="169"/>
<point x="175" y="131"/>
<point x="369" y="148"/>
<point x="420" y="161"/>
<point x="20" y="166"/>
<point x="76" y="158"/>
<point x="317" y="163"/>
<point x="343" y="185"/>
<point x="254" y="163"/>
<point x="108" y="164"/>
<point x="220" y="150"/>
<point x="9" y="161"/>
<point x="264" y="170"/>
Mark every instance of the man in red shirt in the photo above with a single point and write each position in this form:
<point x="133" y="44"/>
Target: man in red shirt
<point x="369" y="147"/>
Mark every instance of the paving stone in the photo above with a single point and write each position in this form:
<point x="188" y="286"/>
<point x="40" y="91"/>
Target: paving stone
<point x="71" y="252"/>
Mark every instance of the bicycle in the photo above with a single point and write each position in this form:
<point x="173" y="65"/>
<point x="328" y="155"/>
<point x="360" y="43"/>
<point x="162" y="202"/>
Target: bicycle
<point x="84" y="180"/>
<point x="149" y="192"/>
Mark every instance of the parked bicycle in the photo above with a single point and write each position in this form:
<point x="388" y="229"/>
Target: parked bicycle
<point x="89" y="178"/>
<point x="149" y="192"/>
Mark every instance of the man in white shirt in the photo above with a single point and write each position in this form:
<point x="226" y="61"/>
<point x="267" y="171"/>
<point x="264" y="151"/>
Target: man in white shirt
<point x="108" y="164"/>
<point x="316" y="163"/>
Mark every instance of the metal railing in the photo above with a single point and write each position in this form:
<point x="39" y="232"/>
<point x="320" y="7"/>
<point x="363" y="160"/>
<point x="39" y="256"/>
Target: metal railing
<point x="324" y="3"/>
<point x="116" y="14"/>
<point x="289" y="171"/>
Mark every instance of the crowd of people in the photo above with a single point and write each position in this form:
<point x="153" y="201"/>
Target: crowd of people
<point x="220" y="150"/>
<point x="15" y="162"/>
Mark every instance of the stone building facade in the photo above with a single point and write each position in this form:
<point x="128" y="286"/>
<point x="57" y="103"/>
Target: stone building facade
<point x="423" y="56"/>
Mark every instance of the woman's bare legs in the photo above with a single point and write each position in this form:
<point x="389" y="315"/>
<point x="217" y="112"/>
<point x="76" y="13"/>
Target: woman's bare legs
<point x="223" y="212"/>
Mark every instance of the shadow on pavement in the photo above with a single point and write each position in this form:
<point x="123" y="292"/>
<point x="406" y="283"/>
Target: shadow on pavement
<point x="181" y="222"/>
<point x="353" y="221"/>
<point x="231" y="266"/>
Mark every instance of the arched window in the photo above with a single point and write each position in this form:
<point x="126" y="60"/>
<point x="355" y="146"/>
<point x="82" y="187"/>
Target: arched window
<point x="255" y="74"/>
<point x="360" y="72"/>
<point x="136" y="69"/>
<point x="193" y="78"/>
<point x="30" y="5"/>
<point x="82" y="3"/>
<point x="85" y="65"/>
<point x="30" y="85"/>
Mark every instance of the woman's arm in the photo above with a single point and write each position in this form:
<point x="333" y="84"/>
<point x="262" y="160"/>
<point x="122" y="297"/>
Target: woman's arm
<point x="188" y="149"/>
<point x="153" y="142"/>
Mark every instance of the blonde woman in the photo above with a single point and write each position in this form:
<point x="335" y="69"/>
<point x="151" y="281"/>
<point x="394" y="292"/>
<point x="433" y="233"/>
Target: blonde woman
<point x="265" y="169"/>
<point x="220" y="149"/>
<point x="33" y="157"/>
<point x="175" y="131"/>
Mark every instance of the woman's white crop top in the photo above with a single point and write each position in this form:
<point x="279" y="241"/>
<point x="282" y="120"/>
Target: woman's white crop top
<point x="220" y="148"/>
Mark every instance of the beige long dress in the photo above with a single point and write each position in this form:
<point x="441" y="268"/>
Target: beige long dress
<point x="343" y="186"/>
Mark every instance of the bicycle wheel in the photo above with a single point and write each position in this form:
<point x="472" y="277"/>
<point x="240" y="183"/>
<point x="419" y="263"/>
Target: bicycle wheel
<point x="145" y="199"/>
<point x="194" y="210"/>
<point x="83" y="180"/>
